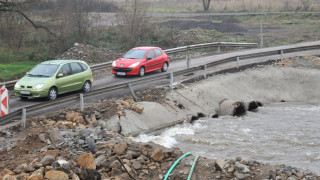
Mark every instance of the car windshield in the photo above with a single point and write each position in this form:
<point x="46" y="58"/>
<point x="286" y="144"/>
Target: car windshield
<point x="135" y="54"/>
<point x="43" y="70"/>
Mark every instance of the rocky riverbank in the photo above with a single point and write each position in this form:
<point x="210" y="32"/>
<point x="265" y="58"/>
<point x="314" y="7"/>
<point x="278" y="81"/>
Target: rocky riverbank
<point x="70" y="144"/>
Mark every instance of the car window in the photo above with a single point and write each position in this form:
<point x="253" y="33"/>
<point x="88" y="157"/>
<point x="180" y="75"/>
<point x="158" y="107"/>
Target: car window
<point x="43" y="70"/>
<point x="84" y="67"/>
<point x="150" y="54"/>
<point x="135" y="54"/>
<point x="65" y="70"/>
<point x="158" y="52"/>
<point x="76" y="68"/>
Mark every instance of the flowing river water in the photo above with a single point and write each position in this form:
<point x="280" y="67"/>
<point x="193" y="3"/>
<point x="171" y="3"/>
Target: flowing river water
<point x="278" y="133"/>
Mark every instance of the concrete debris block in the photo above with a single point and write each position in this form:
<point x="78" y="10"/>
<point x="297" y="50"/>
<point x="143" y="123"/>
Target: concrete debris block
<point x="47" y="160"/>
<point x="148" y="97"/>
<point x="240" y="175"/>
<point x="136" y="165"/>
<point x="55" y="135"/>
<point x="138" y="108"/>
<point x="75" y="117"/>
<point x="61" y="165"/>
<point x="86" y="160"/>
<point x="120" y="148"/>
<point x="49" y="122"/>
<point x="9" y="177"/>
<point x="125" y="104"/>
<point x="42" y="137"/>
<point x="20" y="168"/>
<point x="219" y="164"/>
<point x="243" y="167"/>
<point x="99" y="160"/>
<point x="36" y="175"/>
<point x="112" y="124"/>
<point x="157" y="154"/>
<point x="53" y="153"/>
<point x="231" y="108"/>
<point x="56" y="175"/>
<point x="22" y="176"/>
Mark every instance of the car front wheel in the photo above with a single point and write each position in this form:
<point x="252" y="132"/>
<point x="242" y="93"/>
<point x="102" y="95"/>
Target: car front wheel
<point x="52" y="94"/>
<point x="164" y="67"/>
<point x="141" y="72"/>
<point x="86" y="86"/>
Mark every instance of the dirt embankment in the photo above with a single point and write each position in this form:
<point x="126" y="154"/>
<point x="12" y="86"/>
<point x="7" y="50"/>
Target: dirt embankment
<point x="81" y="145"/>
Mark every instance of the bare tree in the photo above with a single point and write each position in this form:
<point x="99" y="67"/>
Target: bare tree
<point x="206" y="4"/>
<point x="133" y="21"/>
<point x="16" y="7"/>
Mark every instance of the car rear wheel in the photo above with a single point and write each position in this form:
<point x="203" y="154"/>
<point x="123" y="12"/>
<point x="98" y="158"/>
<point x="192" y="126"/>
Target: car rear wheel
<point x="86" y="86"/>
<point x="52" y="94"/>
<point x="141" y="71"/>
<point x="164" y="67"/>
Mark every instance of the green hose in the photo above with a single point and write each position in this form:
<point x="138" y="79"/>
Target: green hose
<point x="192" y="168"/>
<point x="175" y="163"/>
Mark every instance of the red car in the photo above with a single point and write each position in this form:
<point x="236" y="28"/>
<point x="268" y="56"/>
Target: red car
<point x="141" y="60"/>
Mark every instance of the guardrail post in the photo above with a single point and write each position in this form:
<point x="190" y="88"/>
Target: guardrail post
<point x="24" y="118"/>
<point x="261" y="34"/>
<point x="219" y="49"/>
<point x="132" y="92"/>
<point x="188" y="58"/>
<point x="171" y="81"/>
<point x="81" y="103"/>
<point x="238" y="59"/>
<point x="281" y="54"/>
<point x="205" y="71"/>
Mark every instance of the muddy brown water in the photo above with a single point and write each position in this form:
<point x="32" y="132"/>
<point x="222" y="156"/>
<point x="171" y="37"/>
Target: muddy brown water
<point x="279" y="133"/>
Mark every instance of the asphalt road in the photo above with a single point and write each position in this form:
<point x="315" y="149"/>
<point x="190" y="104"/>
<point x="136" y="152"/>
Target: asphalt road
<point x="108" y="80"/>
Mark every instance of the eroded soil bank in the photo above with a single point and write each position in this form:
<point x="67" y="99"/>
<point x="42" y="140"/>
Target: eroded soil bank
<point x="87" y="145"/>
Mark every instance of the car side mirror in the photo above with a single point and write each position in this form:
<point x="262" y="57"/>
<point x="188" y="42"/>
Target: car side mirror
<point x="60" y="75"/>
<point x="149" y="58"/>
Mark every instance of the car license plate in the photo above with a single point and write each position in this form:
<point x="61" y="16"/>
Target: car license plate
<point x="25" y="92"/>
<point x="121" y="73"/>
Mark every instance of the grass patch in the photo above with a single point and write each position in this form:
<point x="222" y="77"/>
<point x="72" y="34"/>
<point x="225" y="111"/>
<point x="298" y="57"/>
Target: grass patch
<point x="15" y="70"/>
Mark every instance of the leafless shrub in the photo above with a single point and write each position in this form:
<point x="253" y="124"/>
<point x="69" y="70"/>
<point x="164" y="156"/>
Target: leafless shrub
<point x="133" y="22"/>
<point x="306" y="4"/>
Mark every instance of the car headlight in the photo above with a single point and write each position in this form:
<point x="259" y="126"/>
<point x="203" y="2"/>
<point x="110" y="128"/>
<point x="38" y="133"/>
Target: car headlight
<point x="134" y="64"/>
<point x="38" y="86"/>
<point x="17" y="85"/>
<point x="114" y="63"/>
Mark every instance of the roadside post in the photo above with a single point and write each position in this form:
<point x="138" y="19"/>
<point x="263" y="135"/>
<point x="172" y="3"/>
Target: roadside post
<point x="81" y="103"/>
<point x="219" y="49"/>
<point x="238" y="62"/>
<point x="132" y="92"/>
<point x="4" y="99"/>
<point x="24" y="118"/>
<point x="188" y="58"/>
<point x="171" y="80"/>
<point x="205" y="71"/>
<point x="281" y="54"/>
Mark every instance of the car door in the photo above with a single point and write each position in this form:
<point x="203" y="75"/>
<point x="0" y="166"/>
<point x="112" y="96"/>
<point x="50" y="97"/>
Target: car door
<point x="64" y="83"/>
<point x="151" y="63"/>
<point x="159" y="58"/>
<point x="77" y="76"/>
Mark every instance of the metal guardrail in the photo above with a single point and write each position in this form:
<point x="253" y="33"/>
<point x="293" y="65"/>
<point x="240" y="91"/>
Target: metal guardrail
<point x="106" y="90"/>
<point x="168" y="51"/>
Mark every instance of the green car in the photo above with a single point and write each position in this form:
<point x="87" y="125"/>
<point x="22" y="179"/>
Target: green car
<point x="51" y="78"/>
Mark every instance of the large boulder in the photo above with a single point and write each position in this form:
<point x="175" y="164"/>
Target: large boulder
<point x="231" y="108"/>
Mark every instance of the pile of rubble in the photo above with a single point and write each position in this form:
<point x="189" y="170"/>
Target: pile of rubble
<point x="96" y="153"/>
<point x="89" y="53"/>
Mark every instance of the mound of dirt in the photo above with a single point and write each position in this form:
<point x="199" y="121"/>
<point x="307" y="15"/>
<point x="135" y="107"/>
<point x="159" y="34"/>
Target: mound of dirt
<point x="208" y="25"/>
<point x="89" y="54"/>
